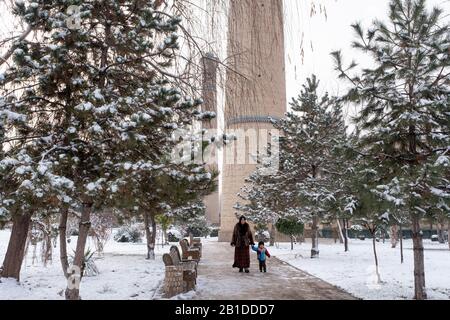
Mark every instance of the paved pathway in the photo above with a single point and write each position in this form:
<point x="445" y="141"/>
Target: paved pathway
<point x="217" y="280"/>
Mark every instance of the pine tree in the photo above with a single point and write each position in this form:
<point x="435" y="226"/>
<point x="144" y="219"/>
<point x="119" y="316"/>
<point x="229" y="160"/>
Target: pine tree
<point x="89" y="95"/>
<point x="310" y="180"/>
<point x="263" y="203"/>
<point x="404" y="117"/>
<point x="313" y="131"/>
<point x="147" y="192"/>
<point x="269" y="194"/>
<point x="366" y="209"/>
<point x="191" y="218"/>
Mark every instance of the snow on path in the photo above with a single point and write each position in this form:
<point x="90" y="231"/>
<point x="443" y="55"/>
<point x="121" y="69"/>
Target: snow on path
<point x="217" y="280"/>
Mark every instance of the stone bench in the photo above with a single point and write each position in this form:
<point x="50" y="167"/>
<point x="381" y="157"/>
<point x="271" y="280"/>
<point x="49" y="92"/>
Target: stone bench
<point x="189" y="252"/>
<point x="195" y="243"/>
<point x="181" y="275"/>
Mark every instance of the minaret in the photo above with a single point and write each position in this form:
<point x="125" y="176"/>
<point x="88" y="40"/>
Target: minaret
<point x="209" y="88"/>
<point x="255" y="89"/>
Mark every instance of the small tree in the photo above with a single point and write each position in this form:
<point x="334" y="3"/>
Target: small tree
<point x="263" y="202"/>
<point x="291" y="227"/>
<point x="101" y="229"/>
<point x="374" y="222"/>
<point x="165" y="222"/>
<point x="191" y="218"/>
<point x="312" y="132"/>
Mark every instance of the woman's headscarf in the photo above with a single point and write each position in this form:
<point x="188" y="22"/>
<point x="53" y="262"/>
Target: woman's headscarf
<point x="243" y="228"/>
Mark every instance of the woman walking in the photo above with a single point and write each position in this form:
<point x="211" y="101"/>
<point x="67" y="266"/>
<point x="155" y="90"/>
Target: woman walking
<point x="242" y="240"/>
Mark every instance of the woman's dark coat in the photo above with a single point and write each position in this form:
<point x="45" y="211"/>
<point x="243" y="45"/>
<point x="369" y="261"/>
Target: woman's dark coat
<point x="242" y="239"/>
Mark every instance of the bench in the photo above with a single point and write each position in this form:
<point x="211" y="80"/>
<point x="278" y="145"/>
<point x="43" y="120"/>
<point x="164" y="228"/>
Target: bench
<point x="195" y="243"/>
<point x="188" y="252"/>
<point x="181" y="275"/>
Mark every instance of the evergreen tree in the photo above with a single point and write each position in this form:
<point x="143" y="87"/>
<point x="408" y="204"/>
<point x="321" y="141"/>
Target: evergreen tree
<point x="191" y="218"/>
<point x="86" y="101"/>
<point x="367" y="210"/>
<point x="291" y="227"/>
<point x="147" y="193"/>
<point x="313" y="133"/>
<point x="263" y="203"/>
<point x="404" y="120"/>
<point x="312" y="170"/>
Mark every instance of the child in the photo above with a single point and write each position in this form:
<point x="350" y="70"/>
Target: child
<point x="262" y="253"/>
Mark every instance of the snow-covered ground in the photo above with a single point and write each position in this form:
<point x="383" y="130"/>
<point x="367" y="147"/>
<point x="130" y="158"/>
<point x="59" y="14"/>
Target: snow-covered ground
<point x="354" y="271"/>
<point x="124" y="274"/>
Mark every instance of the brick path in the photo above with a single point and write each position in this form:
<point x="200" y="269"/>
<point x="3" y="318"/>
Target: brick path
<point x="217" y="280"/>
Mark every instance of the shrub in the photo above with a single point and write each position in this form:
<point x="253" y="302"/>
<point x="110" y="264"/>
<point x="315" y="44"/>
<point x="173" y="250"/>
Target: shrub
<point x="89" y="268"/>
<point x="214" y="232"/>
<point x="128" y="234"/>
<point x="173" y="235"/>
<point x="198" y="228"/>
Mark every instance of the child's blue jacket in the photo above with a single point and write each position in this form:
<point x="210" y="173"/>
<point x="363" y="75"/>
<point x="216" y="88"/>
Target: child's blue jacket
<point x="262" y="254"/>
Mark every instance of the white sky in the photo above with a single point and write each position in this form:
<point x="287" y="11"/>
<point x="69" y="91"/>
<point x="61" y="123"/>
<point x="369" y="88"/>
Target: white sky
<point x="327" y="35"/>
<point x="320" y="35"/>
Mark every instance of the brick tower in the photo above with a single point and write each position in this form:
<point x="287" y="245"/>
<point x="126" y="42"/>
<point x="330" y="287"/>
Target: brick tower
<point x="255" y="91"/>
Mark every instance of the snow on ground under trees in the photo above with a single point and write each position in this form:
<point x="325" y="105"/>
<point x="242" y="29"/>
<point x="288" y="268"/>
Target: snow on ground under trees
<point x="124" y="274"/>
<point x="354" y="271"/>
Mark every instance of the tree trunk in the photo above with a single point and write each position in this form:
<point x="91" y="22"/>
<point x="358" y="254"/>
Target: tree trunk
<point x="165" y="238"/>
<point x="34" y="257"/>
<point x="441" y="237"/>
<point x="63" y="241"/>
<point x="73" y="288"/>
<point x="401" y="244"/>
<point x="16" y="246"/>
<point x="340" y="231"/>
<point x="153" y="239"/>
<point x="150" y="235"/>
<point x="376" y="257"/>
<point x="419" y="264"/>
<point x="47" y="252"/>
<point x="272" y="235"/>
<point x="292" y="242"/>
<point x="345" y="234"/>
<point x="394" y="236"/>
<point x="315" y="237"/>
